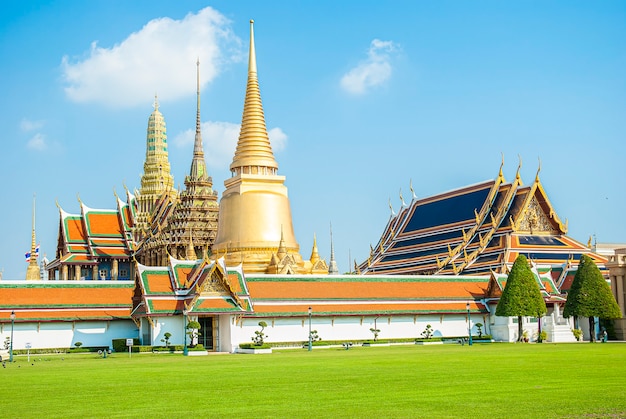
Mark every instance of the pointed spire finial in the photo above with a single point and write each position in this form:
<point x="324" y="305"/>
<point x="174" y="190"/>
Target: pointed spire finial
<point x="252" y="57"/>
<point x="155" y="105"/>
<point x="332" y="266"/>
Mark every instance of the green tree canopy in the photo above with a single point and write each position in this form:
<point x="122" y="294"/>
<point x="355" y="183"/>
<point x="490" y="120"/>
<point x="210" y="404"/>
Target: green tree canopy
<point x="590" y="295"/>
<point x="521" y="295"/>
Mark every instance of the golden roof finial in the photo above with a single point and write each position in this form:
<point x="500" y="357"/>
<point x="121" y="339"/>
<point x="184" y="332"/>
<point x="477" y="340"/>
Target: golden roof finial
<point x="253" y="147"/>
<point x="190" y="253"/>
<point x="519" y="166"/>
<point x="411" y="188"/>
<point x="538" y="170"/>
<point x="500" y="174"/>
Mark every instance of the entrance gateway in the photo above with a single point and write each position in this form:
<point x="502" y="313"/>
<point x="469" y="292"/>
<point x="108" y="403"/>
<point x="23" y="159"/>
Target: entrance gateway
<point x="209" y="333"/>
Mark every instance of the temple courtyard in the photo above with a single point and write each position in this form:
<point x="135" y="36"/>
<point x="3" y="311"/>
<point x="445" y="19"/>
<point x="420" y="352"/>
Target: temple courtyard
<point x="496" y="379"/>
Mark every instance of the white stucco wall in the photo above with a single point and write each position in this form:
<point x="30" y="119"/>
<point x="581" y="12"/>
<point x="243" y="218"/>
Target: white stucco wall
<point x="66" y="334"/>
<point x="346" y="328"/>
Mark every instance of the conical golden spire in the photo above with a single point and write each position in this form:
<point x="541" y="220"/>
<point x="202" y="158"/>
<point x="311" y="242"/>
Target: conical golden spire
<point x="315" y="256"/>
<point x="254" y="222"/>
<point x="33" y="271"/>
<point x="253" y="147"/>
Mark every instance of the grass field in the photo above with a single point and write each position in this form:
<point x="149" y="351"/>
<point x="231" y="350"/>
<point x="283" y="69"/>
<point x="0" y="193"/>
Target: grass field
<point x="492" y="380"/>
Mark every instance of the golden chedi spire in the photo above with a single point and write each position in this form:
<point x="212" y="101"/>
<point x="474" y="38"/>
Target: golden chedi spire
<point x="254" y="151"/>
<point x="255" y="215"/>
<point x="33" y="271"/>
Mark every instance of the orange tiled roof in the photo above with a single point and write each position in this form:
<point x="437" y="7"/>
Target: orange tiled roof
<point x="66" y="300"/>
<point x="358" y="287"/>
<point x="326" y="308"/>
<point x="103" y="223"/>
<point x="74" y="230"/>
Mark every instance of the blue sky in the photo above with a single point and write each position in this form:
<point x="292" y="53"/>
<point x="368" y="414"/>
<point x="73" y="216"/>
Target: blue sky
<point x="361" y="100"/>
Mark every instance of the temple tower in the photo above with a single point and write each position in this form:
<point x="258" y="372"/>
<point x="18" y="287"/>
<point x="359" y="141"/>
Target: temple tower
<point x="33" y="271"/>
<point x="192" y="227"/>
<point x="157" y="178"/>
<point x="255" y="215"/>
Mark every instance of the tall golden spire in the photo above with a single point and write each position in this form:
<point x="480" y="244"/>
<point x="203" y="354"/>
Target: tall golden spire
<point x="254" y="151"/>
<point x="33" y="271"/>
<point x="255" y="216"/>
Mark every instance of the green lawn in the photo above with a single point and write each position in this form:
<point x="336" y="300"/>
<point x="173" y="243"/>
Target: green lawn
<point x="484" y="380"/>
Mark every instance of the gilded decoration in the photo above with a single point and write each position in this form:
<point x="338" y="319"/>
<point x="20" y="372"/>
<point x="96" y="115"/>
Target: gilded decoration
<point x="535" y="220"/>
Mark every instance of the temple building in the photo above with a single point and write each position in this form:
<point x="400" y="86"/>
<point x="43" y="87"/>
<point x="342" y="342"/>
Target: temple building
<point x="478" y="229"/>
<point x="163" y="258"/>
<point x="157" y="179"/>
<point x="183" y="225"/>
<point x="95" y="244"/>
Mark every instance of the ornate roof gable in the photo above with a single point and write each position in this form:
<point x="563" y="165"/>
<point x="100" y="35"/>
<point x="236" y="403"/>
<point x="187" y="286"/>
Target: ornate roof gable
<point x="537" y="214"/>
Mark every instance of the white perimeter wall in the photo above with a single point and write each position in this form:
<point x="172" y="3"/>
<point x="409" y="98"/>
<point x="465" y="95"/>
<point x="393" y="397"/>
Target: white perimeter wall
<point x="344" y="328"/>
<point x="66" y="334"/>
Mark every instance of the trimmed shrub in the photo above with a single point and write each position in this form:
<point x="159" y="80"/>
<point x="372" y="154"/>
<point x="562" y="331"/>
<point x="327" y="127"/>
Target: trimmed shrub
<point x="119" y="345"/>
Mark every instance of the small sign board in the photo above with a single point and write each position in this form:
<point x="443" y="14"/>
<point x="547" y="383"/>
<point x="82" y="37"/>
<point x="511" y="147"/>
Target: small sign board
<point x="28" y="345"/>
<point x="129" y="342"/>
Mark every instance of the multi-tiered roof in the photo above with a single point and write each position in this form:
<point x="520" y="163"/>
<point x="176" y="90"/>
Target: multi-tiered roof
<point x="475" y="230"/>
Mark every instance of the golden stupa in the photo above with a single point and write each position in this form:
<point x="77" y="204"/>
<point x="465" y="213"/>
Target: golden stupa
<point x="255" y="226"/>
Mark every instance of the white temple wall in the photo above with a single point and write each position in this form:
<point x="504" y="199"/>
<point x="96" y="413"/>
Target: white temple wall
<point x="346" y="328"/>
<point x="66" y="334"/>
<point x="161" y="325"/>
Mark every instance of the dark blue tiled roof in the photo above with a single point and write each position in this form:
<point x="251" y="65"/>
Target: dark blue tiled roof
<point x="447" y="211"/>
<point x="541" y="241"/>
<point x="412" y="255"/>
<point x="427" y="239"/>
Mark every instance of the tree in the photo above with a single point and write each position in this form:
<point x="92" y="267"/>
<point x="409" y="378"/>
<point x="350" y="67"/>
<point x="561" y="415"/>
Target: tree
<point x="375" y="332"/>
<point x="194" y="331"/>
<point x="590" y="296"/>
<point x="259" y="335"/>
<point x="166" y="339"/>
<point x="521" y="295"/>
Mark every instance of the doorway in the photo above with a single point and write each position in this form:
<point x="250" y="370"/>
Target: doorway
<point x="207" y="331"/>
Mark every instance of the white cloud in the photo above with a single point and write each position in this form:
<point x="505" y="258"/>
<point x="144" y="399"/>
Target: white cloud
<point x="375" y="70"/>
<point x="278" y="139"/>
<point x="26" y="125"/>
<point x="160" y="58"/>
<point x="37" y="142"/>
<point x="220" y="141"/>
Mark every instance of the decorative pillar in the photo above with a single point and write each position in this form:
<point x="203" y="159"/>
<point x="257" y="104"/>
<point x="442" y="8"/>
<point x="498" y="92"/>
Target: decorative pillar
<point x="94" y="272"/>
<point x="114" y="270"/>
<point x="64" y="273"/>
<point x="619" y="282"/>
<point x="76" y="272"/>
